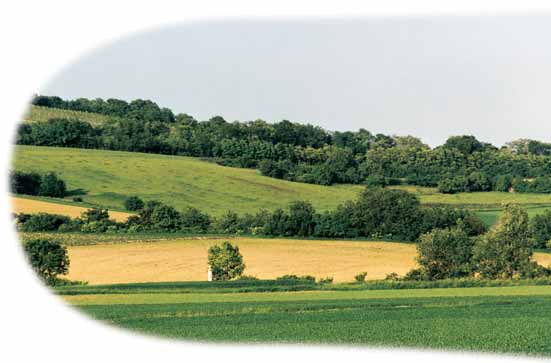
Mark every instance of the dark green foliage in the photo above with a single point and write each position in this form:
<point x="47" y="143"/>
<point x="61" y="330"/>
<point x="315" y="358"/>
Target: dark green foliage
<point x="225" y="261"/>
<point x="296" y="152"/>
<point x="540" y="229"/>
<point x="193" y="220"/>
<point x="133" y="204"/>
<point x="165" y="218"/>
<point x="464" y="144"/>
<point x="360" y="277"/>
<point x="41" y="222"/>
<point x="445" y="253"/>
<point x="60" y="133"/>
<point x="300" y="221"/>
<point x="52" y="186"/>
<point x="374" y="181"/>
<point x="387" y="213"/>
<point x="47" y="258"/>
<point x="503" y="183"/>
<point x="47" y="185"/>
<point x="305" y="278"/>
<point x="25" y="183"/>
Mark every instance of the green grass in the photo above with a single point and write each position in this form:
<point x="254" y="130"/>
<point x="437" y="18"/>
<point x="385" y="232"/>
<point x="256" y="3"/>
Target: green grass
<point x="495" y="319"/>
<point x="478" y="200"/>
<point x="108" y="177"/>
<point x="41" y="114"/>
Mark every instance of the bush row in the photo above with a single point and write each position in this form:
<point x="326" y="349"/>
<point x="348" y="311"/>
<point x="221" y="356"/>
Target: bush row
<point x="378" y="213"/>
<point x="48" y="185"/>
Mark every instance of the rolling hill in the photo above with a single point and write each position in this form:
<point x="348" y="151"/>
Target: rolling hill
<point x="107" y="178"/>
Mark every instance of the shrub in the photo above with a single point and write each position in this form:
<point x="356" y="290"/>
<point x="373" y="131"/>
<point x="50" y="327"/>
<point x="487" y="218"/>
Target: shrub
<point x="360" y="277"/>
<point x="47" y="258"/>
<point x="225" y="261"/>
<point x="416" y="274"/>
<point x="52" y="186"/>
<point x="193" y="220"/>
<point x="326" y="280"/>
<point x="305" y="278"/>
<point x="165" y="218"/>
<point x="77" y="199"/>
<point x="445" y="253"/>
<point x="133" y="204"/>
<point x="25" y="183"/>
<point x="247" y="278"/>
<point x="505" y="251"/>
<point x="43" y="222"/>
<point x="393" y="276"/>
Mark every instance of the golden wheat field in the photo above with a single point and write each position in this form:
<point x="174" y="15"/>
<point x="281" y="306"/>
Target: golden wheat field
<point x="186" y="259"/>
<point x="23" y="205"/>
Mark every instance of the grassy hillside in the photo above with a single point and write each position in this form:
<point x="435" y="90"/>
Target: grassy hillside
<point x="107" y="178"/>
<point x="39" y="113"/>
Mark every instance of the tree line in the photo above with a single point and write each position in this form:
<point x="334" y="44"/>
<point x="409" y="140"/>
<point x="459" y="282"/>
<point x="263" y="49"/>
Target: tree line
<point x="377" y="213"/>
<point x="298" y="152"/>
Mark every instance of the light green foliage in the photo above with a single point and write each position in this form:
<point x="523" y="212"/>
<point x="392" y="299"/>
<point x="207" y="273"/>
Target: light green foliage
<point x="505" y="251"/>
<point x="445" y="253"/>
<point x="225" y="261"/>
<point x="42" y="114"/>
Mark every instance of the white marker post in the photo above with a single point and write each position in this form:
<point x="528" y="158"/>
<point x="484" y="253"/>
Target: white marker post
<point x="209" y="274"/>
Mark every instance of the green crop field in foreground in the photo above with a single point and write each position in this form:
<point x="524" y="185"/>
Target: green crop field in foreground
<point x="497" y="319"/>
<point x="108" y="177"/>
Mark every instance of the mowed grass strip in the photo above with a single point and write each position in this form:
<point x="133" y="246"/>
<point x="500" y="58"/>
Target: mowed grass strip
<point x="477" y="199"/>
<point x="185" y="259"/>
<point x="304" y="296"/>
<point x="32" y="206"/>
<point x="108" y="177"/>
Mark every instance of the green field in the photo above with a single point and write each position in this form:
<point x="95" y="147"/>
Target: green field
<point x="42" y="114"/>
<point x="107" y="178"/>
<point x="497" y="319"/>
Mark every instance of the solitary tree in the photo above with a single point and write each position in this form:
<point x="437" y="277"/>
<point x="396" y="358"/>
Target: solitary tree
<point x="47" y="258"/>
<point x="505" y="250"/>
<point x="225" y="261"/>
<point x="445" y="253"/>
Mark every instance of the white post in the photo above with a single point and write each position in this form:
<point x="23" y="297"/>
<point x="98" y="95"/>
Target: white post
<point x="209" y="274"/>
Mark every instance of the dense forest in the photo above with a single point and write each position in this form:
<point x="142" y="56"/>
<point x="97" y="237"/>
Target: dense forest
<point x="299" y="152"/>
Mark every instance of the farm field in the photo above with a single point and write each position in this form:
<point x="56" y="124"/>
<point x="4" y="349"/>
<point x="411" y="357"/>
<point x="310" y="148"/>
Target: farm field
<point x="497" y="319"/>
<point x="186" y="259"/>
<point x="32" y="206"/>
<point x="143" y="258"/>
<point x="43" y="114"/>
<point x="107" y="178"/>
